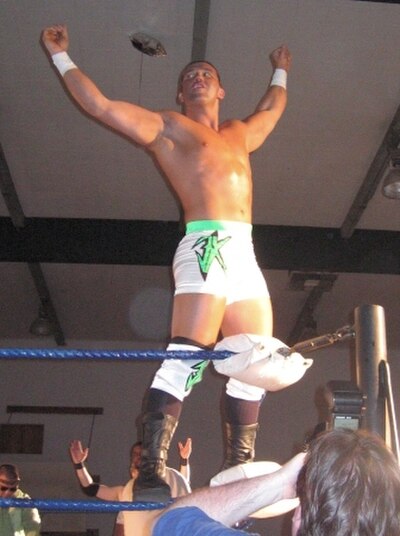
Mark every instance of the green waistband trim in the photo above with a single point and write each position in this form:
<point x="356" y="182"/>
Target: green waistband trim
<point x="217" y="225"/>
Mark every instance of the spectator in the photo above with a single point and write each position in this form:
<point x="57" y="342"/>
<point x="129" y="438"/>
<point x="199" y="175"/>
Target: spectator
<point x="348" y="485"/>
<point x="16" y="521"/>
<point x="137" y="520"/>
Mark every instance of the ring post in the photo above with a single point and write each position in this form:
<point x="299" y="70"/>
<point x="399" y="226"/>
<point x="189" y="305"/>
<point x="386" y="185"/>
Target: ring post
<point x="371" y="350"/>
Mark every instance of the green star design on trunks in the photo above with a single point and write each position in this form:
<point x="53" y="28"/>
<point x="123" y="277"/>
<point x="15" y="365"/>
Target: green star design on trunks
<point x="208" y="249"/>
<point x="197" y="375"/>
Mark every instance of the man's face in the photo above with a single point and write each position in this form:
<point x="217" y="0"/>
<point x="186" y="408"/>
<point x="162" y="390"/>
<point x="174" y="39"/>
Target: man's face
<point x="197" y="80"/>
<point x="8" y="488"/>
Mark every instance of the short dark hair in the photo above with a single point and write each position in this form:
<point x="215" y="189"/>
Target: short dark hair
<point x="349" y="486"/>
<point x="10" y="472"/>
<point x="137" y="444"/>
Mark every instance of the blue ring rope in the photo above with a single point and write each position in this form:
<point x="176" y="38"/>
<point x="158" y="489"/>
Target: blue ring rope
<point x="97" y="505"/>
<point x="118" y="355"/>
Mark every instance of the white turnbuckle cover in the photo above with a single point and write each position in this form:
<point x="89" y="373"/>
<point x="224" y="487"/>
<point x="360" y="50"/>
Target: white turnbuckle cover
<point x="264" y="362"/>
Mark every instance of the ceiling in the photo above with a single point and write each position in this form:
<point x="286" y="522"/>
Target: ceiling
<point x="88" y="225"/>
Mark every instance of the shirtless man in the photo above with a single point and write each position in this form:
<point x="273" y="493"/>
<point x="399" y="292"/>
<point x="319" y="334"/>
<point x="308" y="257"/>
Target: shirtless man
<point x="219" y="287"/>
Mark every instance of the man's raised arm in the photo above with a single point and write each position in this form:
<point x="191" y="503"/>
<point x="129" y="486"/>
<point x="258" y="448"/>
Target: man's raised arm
<point x="89" y="487"/>
<point x="233" y="502"/>
<point x="138" y="123"/>
<point x="273" y="103"/>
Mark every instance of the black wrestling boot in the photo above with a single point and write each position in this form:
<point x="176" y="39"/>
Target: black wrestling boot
<point x="150" y="485"/>
<point x="240" y="441"/>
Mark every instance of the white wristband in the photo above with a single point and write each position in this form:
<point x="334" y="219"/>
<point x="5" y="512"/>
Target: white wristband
<point x="279" y="78"/>
<point x="63" y="62"/>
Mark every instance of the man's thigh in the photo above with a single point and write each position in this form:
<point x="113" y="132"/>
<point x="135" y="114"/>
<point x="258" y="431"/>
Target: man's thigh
<point x="198" y="317"/>
<point x="248" y="316"/>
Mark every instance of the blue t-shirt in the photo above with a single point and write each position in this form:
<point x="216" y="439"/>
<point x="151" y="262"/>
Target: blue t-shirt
<point x="191" y="521"/>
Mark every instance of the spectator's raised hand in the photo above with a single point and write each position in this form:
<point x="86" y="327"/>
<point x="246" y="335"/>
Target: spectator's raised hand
<point x="77" y="452"/>
<point x="185" y="449"/>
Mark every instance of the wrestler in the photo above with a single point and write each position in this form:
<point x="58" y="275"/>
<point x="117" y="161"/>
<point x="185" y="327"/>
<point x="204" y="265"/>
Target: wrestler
<point x="207" y="165"/>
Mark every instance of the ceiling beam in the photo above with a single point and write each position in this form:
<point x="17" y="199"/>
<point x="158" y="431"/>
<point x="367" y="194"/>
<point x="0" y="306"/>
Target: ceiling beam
<point x="200" y="29"/>
<point x="153" y="243"/>
<point x="18" y="221"/>
<point x="317" y="285"/>
<point x="9" y="193"/>
<point x="374" y="176"/>
<point x="382" y="1"/>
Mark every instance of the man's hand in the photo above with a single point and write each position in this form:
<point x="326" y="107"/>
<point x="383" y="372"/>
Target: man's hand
<point x="77" y="452"/>
<point x="289" y="473"/>
<point x="185" y="449"/>
<point x="55" y="38"/>
<point x="281" y="58"/>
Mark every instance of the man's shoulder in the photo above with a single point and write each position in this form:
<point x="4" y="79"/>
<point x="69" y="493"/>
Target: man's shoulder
<point x="172" y="115"/>
<point x="171" y="470"/>
<point x="19" y="494"/>
<point x="177" y="482"/>
<point x="174" y="123"/>
<point x="232" y="124"/>
<point x="172" y="474"/>
<point x="191" y="520"/>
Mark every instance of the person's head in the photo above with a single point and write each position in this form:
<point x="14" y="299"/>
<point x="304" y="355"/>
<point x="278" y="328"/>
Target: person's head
<point x="9" y="480"/>
<point x="135" y="456"/>
<point x="200" y="70"/>
<point x="349" y="486"/>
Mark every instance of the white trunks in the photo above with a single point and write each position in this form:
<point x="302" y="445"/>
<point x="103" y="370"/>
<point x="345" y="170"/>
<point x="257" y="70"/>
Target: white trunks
<point x="217" y="257"/>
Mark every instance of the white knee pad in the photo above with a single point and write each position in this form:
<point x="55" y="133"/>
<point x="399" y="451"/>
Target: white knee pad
<point x="176" y="376"/>
<point x="244" y="391"/>
<point x="263" y="362"/>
